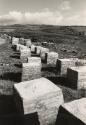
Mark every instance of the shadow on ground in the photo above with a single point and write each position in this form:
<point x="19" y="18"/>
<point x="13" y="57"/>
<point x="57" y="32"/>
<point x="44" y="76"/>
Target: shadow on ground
<point x="19" y="65"/>
<point x="8" y="111"/>
<point x="61" y="80"/>
<point x="48" y="68"/>
<point x="16" y="77"/>
<point x="15" y="56"/>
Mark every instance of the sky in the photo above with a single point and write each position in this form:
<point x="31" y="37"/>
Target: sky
<point x="51" y="12"/>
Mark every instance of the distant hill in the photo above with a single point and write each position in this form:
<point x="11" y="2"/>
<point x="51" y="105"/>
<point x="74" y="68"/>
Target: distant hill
<point x="68" y="40"/>
<point x="45" y="32"/>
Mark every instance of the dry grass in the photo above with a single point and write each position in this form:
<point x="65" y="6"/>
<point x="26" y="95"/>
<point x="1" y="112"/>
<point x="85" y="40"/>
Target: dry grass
<point x="9" y="70"/>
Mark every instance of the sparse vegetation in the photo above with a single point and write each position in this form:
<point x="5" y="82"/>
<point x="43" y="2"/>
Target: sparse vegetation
<point x="71" y="37"/>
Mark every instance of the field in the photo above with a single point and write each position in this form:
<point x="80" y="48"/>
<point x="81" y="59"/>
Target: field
<point x="67" y="41"/>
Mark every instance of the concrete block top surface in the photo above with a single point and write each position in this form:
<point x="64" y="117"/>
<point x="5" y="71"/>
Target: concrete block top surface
<point x="31" y="59"/>
<point x="20" y="44"/>
<point x="22" y="47"/>
<point x="39" y="47"/>
<point x="33" y="45"/>
<point x="78" y="68"/>
<point x="81" y="62"/>
<point x="30" y="64"/>
<point x="64" y="59"/>
<point x="77" y="108"/>
<point x="15" y="39"/>
<point x="25" y="49"/>
<point x="28" y="40"/>
<point x="53" y="53"/>
<point x="68" y="59"/>
<point x="44" y="49"/>
<point x="36" y="88"/>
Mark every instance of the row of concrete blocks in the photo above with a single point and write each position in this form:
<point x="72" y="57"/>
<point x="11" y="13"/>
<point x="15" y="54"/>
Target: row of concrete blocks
<point x="32" y="69"/>
<point x="31" y="66"/>
<point x="46" y="56"/>
<point x="25" y="42"/>
<point x="76" y="75"/>
<point x="47" y="115"/>
<point x="43" y="97"/>
<point x="63" y="66"/>
<point x="38" y="95"/>
<point x="50" y="57"/>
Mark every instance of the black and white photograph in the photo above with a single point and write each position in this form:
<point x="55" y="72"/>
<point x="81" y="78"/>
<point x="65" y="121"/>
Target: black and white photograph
<point x="42" y="62"/>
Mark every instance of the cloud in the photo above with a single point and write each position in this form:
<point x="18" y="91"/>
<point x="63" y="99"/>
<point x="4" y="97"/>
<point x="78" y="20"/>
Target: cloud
<point x="63" y="16"/>
<point x="11" y="18"/>
<point x="45" y="17"/>
<point x="65" y="5"/>
<point x="75" y="19"/>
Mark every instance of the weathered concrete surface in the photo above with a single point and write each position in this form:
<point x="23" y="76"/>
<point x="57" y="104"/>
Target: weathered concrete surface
<point x="39" y="95"/>
<point x="72" y="113"/>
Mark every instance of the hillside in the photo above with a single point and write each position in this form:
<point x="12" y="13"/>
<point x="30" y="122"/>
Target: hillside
<point x="68" y="41"/>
